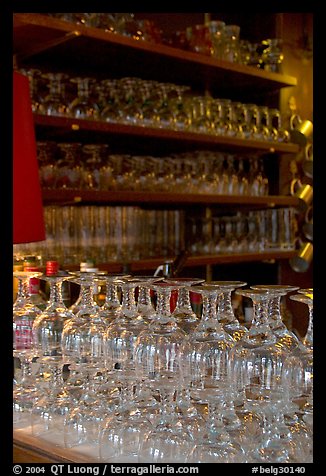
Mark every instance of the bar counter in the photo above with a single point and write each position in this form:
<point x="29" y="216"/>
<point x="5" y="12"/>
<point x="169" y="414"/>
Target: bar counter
<point x="30" y="449"/>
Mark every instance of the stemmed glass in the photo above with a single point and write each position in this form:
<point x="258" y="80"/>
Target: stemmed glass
<point x="83" y="347"/>
<point x="205" y="364"/>
<point x="69" y="167"/>
<point x="275" y="443"/>
<point x="112" y="305"/>
<point x="157" y="363"/>
<point x="121" y="433"/>
<point x="109" y="107"/>
<point x="55" y="104"/>
<point x="24" y="314"/>
<point x="85" y="301"/>
<point x="183" y="313"/>
<point x="83" y="106"/>
<point x="285" y="337"/>
<point x="225" y="312"/>
<point x="34" y="76"/>
<point x="256" y="359"/>
<point x="208" y="358"/>
<point x="47" y="164"/>
<point x="145" y="305"/>
<point x="93" y="166"/>
<point x="257" y="364"/>
<point x="298" y="372"/>
<point x="180" y="107"/>
<point x="49" y="409"/>
<point x="308" y="298"/>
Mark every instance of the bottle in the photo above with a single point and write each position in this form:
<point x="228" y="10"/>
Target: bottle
<point x="18" y="265"/>
<point x="52" y="268"/>
<point x="37" y="297"/>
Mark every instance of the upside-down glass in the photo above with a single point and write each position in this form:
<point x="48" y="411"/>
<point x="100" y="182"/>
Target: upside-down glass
<point x="225" y="311"/>
<point x="157" y="361"/>
<point x="206" y="353"/>
<point x="285" y="337"/>
<point x="256" y="360"/>
<point x="24" y="314"/>
<point x="299" y="368"/>
<point x="49" y="410"/>
<point x="183" y="313"/>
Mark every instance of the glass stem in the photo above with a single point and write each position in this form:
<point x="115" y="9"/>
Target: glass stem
<point x="224" y="306"/>
<point x="111" y="298"/>
<point x="308" y="338"/>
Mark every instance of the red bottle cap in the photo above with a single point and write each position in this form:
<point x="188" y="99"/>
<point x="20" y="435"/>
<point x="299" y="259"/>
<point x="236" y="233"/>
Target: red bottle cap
<point x="52" y="268"/>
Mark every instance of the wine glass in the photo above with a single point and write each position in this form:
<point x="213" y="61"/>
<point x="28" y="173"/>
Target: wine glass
<point x="121" y="334"/>
<point x="112" y="305"/>
<point x="69" y="167"/>
<point x="157" y="352"/>
<point x="225" y="311"/>
<point x="207" y="354"/>
<point x="93" y="166"/>
<point x="256" y="359"/>
<point x="83" y="347"/>
<point x="285" y="337"/>
<point x="49" y="410"/>
<point x="216" y="444"/>
<point x="299" y="368"/>
<point x="55" y="104"/>
<point x="83" y="106"/>
<point x="47" y="164"/>
<point x="275" y="443"/>
<point x="24" y="314"/>
<point x="183" y="313"/>
<point x="308" y="299"/>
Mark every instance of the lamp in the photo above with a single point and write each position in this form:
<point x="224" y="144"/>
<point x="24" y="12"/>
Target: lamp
<point x="28" y="219"/>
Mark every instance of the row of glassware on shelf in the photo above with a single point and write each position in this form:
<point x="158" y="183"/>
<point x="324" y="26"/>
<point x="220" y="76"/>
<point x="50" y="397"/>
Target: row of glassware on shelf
<point x="77" y="166"/>
<point x="165" y="385"/>
<point x="213" y="38"/>
<point x="125" y="234"/>
<point x="142" y="102"/>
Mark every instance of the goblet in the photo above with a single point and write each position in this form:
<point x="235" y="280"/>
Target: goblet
<point x="55" y="104"/>
<point x="24" y="314"/>
<point x="83" y="347"/>
<point x="216" y="445"/>
<point x="206" y="355"/>
<point x="308" y="298"/>
<point x="83" y="106"/>
<point x="122" y="431"/>
<point x="157" y="361"/>
<point x="85" y="301"/>
<point x="145" y="306"/>
<point x="183" y="313"/>
<point x="285" y="337"/>
<point x="69" y="167"/>
<point x="121" y="334"/>
<point x="299" y="367"/>
<point x="225" y="312"/>
<point x="256" y="360"/>
<point x="110" y="110"/>
<point x="47" y="342"/>
<point x="83" y="333"/>
<point x="276" y="443"/>
<point x="112" y="305"/>
<point x="92" y="169"/>
<point x="47" y="164"/>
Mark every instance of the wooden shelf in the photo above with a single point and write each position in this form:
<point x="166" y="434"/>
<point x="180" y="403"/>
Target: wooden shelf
<point x="151" y="264"/>
<point x="70" y="129"/>
<point x="164" y="198"/>
<point x="47" y="41"/>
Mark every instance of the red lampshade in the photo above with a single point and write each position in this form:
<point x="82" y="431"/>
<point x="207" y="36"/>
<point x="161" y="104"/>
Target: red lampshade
<point x="28" y="219"/>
